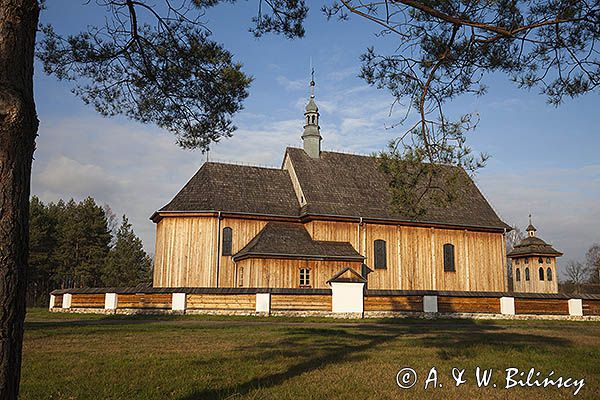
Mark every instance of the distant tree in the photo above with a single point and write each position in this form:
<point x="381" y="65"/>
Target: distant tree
<point x="512" y="238"/>
<point x="84" y="241"/>
<point x="112" y="221"/>
<point x="127" y="263"/>
<point x="42" y="250"/>
<point x="592" y="259"/>
<point x="576" y="273"/>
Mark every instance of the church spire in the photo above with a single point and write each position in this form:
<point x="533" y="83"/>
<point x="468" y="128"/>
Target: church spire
<point x="531" y="229"/>
<point x="312" y="132"/>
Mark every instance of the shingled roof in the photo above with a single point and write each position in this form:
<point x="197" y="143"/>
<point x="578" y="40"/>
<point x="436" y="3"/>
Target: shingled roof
<point x="335" y="184"/>
<point x="237" y="188"/>
<point x="353" y="185"/>
<point x="282" y="239"/>
<point x="533" y="246"/>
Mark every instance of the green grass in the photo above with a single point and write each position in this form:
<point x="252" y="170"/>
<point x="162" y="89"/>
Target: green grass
<point x="74" y="356"/>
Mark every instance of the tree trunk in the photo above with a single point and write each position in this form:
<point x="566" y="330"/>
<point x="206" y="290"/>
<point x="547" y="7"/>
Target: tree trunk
<point x="18" y="129"/>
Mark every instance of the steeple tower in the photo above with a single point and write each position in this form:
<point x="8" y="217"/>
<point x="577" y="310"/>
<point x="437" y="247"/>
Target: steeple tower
<point x="531" y="229"/>
<point x="312" y="132"/>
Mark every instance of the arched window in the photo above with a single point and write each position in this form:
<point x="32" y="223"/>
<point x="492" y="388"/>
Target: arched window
<point x="380" y="254"/>
<point x="541" y="273"/>
<point x="449" y="258"/>
<point x="518" y="275"/>
<point x="526" y="274"/>
<point x="540" y="260"/>
<point x="227" y="238"/>
<point x="549" y="274"/>
<point x="526" y="260"/>
<point x="313" y="119"/>
<point x="516" y="261"/>
<point x="548" y="260"/>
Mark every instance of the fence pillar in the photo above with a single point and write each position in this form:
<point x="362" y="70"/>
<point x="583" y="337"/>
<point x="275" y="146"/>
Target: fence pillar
<point x="263" y="303"/>
<point x="111" y="301"/>
<point x="66" y="300"/>
<point x="507" y="305"/>
<point x="178" y="302"/>
<point x="347" y="297"/>
<point x="430" y="304"/>
<point x="576" y="307"/>
<point x="52" y="301"/>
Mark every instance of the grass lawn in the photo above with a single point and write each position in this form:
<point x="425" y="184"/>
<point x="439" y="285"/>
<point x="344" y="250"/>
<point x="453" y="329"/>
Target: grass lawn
<point x="70" y="356"/>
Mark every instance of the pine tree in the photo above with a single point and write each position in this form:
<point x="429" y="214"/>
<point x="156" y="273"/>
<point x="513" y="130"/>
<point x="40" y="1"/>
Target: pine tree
<point x="127" y="263"/>
<point x="41" y="276"/>
<point x="84" y="240"/>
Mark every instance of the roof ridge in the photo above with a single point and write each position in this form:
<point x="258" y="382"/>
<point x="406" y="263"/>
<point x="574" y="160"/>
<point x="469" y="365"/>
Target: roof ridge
<point x="242" y="164"/>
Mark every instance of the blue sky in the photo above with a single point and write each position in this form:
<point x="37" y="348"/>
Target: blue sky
<point x="545" y="160"/>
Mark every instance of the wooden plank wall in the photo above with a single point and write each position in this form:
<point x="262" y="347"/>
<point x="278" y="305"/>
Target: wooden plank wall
<point x="148" y="300"/>
<point x="415" y="255"/>
<point x="534" y="285"/>
<point x="243" y="231"/>
<point x="300" y="302"/>
<point x="542" y="306"/>
<point x="58" y="300"/>
<point x="185" y="249"/>
<point x="591" y="307"/>
<point x="95" y="300"/>
<point x="486" y="305"/>
<point x="245" y="302"/>
<point x="393" y="303"/>
<point x="263" y="273"/>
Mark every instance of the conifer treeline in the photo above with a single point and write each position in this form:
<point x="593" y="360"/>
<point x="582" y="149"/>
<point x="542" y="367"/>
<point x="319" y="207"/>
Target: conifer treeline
<point x="78" y="244"/>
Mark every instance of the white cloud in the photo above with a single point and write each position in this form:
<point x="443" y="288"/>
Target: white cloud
<point x="291" y="85"/>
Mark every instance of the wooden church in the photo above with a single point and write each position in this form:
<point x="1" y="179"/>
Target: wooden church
<point x="299" y="225"/>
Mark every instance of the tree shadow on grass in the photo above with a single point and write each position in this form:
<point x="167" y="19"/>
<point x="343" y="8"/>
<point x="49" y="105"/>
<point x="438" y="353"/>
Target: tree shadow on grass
<point x="312" y="348"/>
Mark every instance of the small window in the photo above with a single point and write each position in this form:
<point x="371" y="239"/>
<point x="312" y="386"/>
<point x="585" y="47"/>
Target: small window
<point x="304" y="277"/>
<point x="518" y="275"/>
<point x="526" y="274"/>
<point x="548" y="261"/>
<point x="540" y="260"/>
<point x="549" y="274"/>
<point x="449" y="258"/>
<point x="541" y="273"/>
<point x="241" y="276"/>
<point x="227" y="237"/>
<point x="380" y="254"/>
<point x="526" y="260"/>
<point x="516" y="261"/>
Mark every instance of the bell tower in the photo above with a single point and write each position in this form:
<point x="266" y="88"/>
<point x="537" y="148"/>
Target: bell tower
<point x="311" y="137"/>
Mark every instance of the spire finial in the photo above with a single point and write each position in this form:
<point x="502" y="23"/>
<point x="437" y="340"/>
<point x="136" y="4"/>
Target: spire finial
<point x="312" y="80"/>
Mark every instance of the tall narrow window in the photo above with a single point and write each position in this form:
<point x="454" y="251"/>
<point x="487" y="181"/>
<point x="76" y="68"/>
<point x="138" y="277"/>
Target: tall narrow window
<point x="516" y="261"/>
<point x="518" y="274"/>
<point x="449" y="258"/>
<point x="549" y="274"/>
<point x="541" y="273"/>
<point x="526" y="260"/>
<point x="227" y="237"/>
<point x="380" y="254"/>
<point x="304" y="277"/>
<point x="526" y="274"/>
